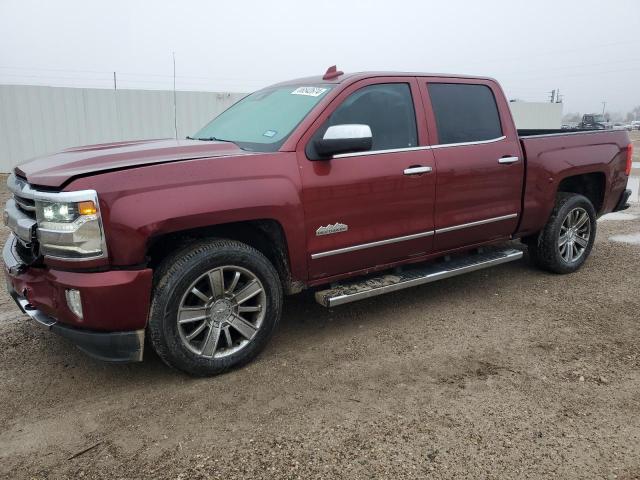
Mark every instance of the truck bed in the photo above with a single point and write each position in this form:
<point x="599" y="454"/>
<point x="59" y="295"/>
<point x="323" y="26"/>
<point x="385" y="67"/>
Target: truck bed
<point x="550" y="155"/>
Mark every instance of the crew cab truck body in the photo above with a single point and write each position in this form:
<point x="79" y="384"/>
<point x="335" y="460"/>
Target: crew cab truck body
<point x="320" y="182"/>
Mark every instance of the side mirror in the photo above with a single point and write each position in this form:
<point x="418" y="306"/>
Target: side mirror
<point x="344" y="139"/>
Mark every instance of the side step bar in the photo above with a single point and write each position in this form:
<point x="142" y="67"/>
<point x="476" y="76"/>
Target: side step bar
<point x="372" y="286"/>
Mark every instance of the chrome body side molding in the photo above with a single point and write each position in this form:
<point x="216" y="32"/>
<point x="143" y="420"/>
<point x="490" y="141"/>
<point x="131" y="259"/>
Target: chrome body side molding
<point x="362" y="246"/>
<point x="387" y="241"/>
<point x="473" y="224"/>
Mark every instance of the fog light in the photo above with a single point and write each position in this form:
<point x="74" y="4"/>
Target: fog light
<point x="74" y="302"/>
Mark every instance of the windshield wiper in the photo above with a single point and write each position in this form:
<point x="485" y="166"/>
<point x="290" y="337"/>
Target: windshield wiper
<point x="210" y="139"/>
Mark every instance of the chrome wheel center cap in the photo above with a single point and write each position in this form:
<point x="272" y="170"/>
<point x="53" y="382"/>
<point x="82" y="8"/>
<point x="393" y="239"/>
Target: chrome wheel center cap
<point x="220" y="312"/>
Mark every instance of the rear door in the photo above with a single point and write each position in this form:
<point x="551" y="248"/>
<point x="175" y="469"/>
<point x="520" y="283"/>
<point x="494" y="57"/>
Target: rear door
<point x="370" y="208"/>
<point x="478" y="159"/>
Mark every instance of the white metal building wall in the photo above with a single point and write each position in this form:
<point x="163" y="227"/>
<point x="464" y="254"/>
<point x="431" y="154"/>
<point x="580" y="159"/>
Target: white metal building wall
<point x="536" y="115"/>
<point x="36" y="120"/>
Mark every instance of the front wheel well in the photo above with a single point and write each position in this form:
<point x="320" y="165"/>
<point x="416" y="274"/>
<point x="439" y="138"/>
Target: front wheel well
<point x="266" y="236"/>
<point x="591" y="185"/>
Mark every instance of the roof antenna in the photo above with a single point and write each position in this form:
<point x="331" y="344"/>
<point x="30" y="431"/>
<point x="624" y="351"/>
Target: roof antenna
<point x="332" y="72"/>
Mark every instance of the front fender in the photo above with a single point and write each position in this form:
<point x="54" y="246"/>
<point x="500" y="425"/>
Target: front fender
<point x="151" y="201"/>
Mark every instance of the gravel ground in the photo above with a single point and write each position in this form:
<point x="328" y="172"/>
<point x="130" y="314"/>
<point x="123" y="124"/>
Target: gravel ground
<point x="502" y="373"/>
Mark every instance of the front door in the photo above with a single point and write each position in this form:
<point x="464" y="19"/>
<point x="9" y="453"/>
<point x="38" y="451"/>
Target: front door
<point x="480" y="172"/>
<point x="371" y="208"/>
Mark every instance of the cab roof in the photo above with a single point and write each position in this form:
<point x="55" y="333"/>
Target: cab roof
<point x="355" y="76"/>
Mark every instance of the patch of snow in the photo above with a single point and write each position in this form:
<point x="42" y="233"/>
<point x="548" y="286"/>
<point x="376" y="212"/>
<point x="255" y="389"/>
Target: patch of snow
<point x="632" y="238"/>
<point x="618" y="216"/>
<point x="634" y="185"/>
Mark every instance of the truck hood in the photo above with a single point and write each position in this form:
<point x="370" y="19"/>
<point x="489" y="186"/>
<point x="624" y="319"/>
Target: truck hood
<point x="55" y="170"/>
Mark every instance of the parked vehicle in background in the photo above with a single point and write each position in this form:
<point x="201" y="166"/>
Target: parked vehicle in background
<point x="636" y="124"/>
<point x="325" y="182"/>
<point x="593" y="121"/>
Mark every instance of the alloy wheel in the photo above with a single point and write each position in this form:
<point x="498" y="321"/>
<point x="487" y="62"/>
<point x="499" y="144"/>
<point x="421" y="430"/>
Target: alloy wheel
<point x="575" y="233"/>
<point x="221" y="311"/>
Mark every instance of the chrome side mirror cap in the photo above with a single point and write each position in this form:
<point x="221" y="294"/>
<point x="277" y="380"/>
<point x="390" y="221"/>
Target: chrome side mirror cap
<point x="346" y="138"/>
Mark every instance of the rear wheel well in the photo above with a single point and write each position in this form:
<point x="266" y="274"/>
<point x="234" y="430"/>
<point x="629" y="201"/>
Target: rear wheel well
<point x="266" y="236"/>
<point x="591" y="185"/>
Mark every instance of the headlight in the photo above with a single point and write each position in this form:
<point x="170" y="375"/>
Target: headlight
<point x="69" y="225"/>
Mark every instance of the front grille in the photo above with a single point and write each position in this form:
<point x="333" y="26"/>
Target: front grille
<point x="22" y="219"/>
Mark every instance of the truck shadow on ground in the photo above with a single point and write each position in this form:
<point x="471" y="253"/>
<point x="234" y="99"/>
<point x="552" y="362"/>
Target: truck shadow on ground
<point x="304" y="322"/>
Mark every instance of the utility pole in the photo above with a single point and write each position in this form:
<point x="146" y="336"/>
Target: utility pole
<point x="175" y="110"/>
<point x="604" y="104"/>
<point x="115" y="84"/>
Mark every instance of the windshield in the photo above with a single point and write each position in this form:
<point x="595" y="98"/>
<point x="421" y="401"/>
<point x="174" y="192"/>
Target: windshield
<point x="263" y="120"/>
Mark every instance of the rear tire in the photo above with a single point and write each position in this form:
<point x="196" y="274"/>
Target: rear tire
<point x="566" y="240"/>
<point x="215" y="305"/>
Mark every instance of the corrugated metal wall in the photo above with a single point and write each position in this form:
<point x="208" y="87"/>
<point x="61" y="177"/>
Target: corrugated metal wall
<point x="536" y="115"/>
<point x="37" y="120"/>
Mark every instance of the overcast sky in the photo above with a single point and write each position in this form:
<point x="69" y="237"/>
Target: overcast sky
<point x="590" y="50"/>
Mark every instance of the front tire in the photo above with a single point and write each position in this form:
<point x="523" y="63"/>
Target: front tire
<point x="215" y="306"/>
<point x="566" y="240"/>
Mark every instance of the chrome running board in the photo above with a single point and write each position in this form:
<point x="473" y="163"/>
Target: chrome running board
<point x="414" y="275"/>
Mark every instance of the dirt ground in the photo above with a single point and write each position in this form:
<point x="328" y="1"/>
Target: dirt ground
<point x="503" y="373"/>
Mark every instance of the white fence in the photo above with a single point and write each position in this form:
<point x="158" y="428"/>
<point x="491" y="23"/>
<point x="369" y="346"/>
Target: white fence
<point x="36" y="120"/>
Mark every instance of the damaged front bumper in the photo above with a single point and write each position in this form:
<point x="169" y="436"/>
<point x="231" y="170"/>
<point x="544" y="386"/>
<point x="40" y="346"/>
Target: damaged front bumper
<point x="39" y="293"/>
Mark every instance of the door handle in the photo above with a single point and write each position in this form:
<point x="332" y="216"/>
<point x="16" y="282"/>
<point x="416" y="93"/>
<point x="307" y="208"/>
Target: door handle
<point x="417" y="170"/>
<point x="507" y="160"/>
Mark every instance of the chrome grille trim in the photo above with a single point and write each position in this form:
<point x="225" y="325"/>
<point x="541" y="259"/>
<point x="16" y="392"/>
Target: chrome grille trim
<point x="20" y="187"/>
<point x="20" y="223"/>
<point x="24" y="204"/>
<point x="23" y="195"/>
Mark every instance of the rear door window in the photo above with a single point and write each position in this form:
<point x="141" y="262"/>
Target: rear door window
<point x="464" y="112"/>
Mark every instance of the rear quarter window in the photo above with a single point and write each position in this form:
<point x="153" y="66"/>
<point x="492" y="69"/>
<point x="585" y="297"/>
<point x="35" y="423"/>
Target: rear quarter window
<point x="464" y="112"/>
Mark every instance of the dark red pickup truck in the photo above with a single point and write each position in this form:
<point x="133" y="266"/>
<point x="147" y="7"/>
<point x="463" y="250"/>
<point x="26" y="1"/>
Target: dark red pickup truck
<point x="354" y="185"/>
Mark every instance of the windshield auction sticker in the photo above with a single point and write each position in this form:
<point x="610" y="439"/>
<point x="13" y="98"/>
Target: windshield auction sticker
<point x="309" y="91"/>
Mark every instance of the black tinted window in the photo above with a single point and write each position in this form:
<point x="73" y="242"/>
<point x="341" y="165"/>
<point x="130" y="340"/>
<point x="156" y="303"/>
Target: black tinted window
<point x="386" y="108"/>
<point x="464" y="113"/>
